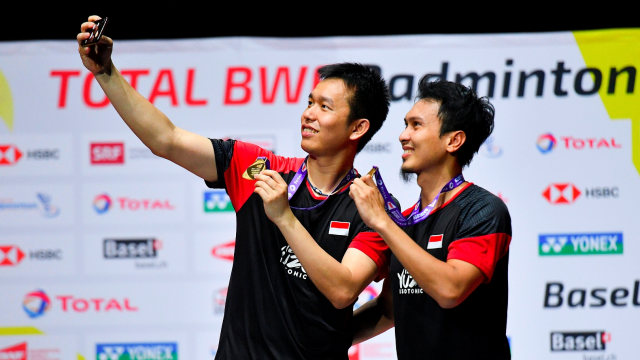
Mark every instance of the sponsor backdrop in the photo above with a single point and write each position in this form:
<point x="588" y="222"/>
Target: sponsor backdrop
<point x="109" y="252"/>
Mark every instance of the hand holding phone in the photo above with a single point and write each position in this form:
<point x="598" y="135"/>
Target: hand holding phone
<point x="97" y="31"/>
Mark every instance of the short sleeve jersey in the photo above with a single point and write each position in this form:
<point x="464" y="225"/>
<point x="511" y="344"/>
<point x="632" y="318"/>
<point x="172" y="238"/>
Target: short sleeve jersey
<point x="273" y="310"/>
<point x="475" y="227"/>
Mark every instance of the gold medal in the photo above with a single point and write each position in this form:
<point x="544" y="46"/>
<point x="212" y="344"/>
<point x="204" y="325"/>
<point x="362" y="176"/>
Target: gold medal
<point x="255" y="168"/>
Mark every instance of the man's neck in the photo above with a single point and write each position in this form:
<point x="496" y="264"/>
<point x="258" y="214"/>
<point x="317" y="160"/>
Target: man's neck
<point x="432" y="182"/>
<point x="326" y="172"/>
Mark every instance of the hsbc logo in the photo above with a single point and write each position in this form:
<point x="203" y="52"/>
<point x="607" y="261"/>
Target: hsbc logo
<point x="107" y="153"/>
<point x="568" y="193"/>
<point x="561" y="193"/>
<point x="10" y="255"/>
<point x="9" y="154"/>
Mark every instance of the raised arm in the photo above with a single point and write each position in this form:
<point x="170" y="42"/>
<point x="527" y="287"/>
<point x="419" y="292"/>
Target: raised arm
<point x="189" y="150"/>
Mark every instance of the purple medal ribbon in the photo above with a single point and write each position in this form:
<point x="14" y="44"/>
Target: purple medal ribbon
<point x="298" y="178"/>
<point x="416" y="215"/>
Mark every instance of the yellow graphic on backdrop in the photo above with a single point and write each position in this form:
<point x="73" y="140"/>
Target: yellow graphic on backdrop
<point x="617" y="53"/>
<point x="6" y="103"/>
<point x="19" y="330"/>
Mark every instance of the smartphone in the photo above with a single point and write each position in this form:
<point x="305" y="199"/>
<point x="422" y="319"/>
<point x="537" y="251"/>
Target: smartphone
<point x="96" y="34"/>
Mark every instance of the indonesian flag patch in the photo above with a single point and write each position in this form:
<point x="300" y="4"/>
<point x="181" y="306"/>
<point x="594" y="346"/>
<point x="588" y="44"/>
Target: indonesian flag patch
<point x="339" y="228"/>
<point x="435" y="242"/>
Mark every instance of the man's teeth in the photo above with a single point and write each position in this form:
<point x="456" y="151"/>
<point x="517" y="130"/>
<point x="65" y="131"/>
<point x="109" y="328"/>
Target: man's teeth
<point x="309" y="130"/>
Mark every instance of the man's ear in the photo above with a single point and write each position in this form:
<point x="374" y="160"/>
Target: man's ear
<point x="358" y="128"/>
<point x="456" y="139"/>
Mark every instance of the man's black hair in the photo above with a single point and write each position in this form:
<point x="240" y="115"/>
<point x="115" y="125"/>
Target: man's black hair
<point x="369" y="94"/>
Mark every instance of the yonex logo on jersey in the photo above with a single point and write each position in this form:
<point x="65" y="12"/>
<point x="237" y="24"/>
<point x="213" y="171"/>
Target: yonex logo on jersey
<point x="339" y="228"/>
<point x="435" y="242"/>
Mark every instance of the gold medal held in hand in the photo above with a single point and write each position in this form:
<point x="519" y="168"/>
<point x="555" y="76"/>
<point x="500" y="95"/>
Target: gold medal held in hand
<point x="260" y="164"/>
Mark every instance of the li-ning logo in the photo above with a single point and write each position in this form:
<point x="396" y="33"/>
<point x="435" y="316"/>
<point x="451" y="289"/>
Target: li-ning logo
<point x="580" y="244"/>
<point x="406" y="283"/>
<point x="291" y="263"/>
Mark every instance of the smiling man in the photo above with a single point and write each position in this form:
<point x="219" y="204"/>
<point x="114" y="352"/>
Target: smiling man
<point x="303" y="254"/>
<point x="446" y="293"/>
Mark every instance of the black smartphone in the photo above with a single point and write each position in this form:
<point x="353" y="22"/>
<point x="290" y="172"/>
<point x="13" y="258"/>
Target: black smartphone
<point x="96" y="34"/>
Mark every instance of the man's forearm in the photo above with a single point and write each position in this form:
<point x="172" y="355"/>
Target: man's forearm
<point x="146" y="121"/>
<point x="334" y="279"/>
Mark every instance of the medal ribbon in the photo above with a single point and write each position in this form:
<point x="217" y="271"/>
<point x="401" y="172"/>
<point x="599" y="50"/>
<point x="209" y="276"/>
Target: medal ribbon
<point x="298" y="178"/>
<point x="416" y="215"/>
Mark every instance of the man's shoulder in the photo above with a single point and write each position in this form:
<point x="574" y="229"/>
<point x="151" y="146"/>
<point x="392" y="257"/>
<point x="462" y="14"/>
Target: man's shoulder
<point x="478" y="199"/>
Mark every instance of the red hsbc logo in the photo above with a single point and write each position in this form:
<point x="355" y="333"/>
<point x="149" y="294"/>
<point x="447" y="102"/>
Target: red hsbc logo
<point x="9" y="154"/>
<point x="565" y="193"/>
<point x="224" y="251"/>
<point x="15" y="352"/>
<point x="107" y="153"/>
<point x="10" y="255"/>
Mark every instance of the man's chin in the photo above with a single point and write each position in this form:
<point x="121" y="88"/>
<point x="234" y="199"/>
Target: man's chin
<point x="406" y="174"/>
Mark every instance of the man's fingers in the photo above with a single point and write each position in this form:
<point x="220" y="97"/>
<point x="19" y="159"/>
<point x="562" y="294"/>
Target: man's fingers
<point x="369" y="180"/>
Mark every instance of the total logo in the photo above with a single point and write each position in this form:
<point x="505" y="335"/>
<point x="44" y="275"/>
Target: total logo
<point x="37" y="303"/>
<point x="580" y="340"/>
<point x="137" y="351"/>
<point x="547" y="142"/>
<point x="490" y="149"/>
<point x="568" y="193"/>
<point x="102" y="203"/>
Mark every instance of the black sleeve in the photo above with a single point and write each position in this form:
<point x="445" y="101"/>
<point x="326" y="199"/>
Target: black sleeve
<point x="223" y="151"/>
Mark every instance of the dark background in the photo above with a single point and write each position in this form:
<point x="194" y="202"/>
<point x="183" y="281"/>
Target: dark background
<point x="309" y="19"/>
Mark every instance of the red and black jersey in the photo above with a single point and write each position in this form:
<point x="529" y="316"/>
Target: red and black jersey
<point x="474" y="226"/>
<point x="273" y="310"/>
